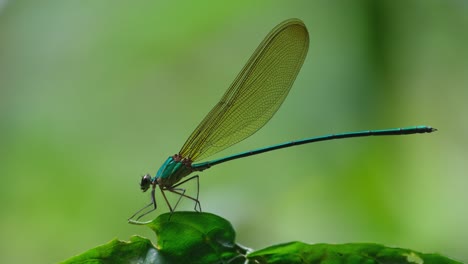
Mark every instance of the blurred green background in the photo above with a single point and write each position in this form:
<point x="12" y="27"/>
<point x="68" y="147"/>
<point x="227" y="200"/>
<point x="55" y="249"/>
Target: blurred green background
<point x="93" y="94"/>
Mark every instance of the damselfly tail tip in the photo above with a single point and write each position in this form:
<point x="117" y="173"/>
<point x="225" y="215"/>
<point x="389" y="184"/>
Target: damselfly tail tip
<point x="426" y="129"/>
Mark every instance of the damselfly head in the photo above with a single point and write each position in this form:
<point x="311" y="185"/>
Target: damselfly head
<point x="145" y="182"/>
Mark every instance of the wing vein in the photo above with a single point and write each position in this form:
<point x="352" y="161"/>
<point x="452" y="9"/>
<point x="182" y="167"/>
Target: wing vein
<point x="256" y="93"/>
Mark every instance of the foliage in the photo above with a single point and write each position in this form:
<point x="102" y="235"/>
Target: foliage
<point x="191" y="237"/>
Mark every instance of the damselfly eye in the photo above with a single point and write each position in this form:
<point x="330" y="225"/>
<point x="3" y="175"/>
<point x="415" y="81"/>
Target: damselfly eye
<point x="145" y="182"/>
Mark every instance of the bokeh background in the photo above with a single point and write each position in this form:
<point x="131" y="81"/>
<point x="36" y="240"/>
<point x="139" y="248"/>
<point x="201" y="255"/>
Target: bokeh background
<point x="94" y="94"/>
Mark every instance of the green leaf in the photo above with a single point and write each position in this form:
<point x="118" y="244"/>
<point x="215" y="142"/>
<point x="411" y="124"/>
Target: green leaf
<point x="183" y="237"/>
<point x="137" y="250"/>
<point x="192" y="237"/>
<point x="354" y="253"/>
